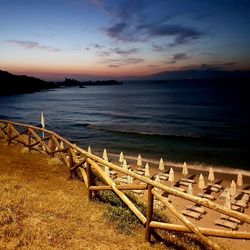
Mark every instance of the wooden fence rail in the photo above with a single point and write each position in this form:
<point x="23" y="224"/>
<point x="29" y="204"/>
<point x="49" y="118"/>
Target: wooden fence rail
<point x="75" y="158"/>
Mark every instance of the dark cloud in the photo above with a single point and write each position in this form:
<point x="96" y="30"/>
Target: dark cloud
<point x="158" y="48"/>
<point x="170" y="62"/>
<point x="123" y="61"/>
<point x="113" y="66"/>
<point x="117" y="31"/>
<point x="124" y="52"/>
<point x="180" y="56"/>
<point x="217" y="66"/>
<point x="181" y="34"/>
<point x="32" y="45"/>
<point x="98" y="46"/>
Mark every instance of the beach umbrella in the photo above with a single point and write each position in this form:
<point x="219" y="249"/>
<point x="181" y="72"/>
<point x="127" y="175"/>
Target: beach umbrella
<point x="157" y="179"/>
<point x="105" y="155"/>
<point x="185" y="169"/>
<point x="171" y="175"/>
<point x="61" y="145"/>
<point x="161" y="165"/>
<point x="211" y="174"/>
<point x="201" y="182"/>
<point x="124" y="165"/>
<point x="89" y="150"/>
<point x="107" y="171"/>
<point x="190" y="189"/>
<point x="121" y="158"/>
<point x="130" y="179"/>
<point x="139" y="161"/>
<point x="239" y="180"/>
<point x="42" y="123"/>
<point x="228" y="200"/>
<point x="147" y="173"/>
<point x="233" y="188"/>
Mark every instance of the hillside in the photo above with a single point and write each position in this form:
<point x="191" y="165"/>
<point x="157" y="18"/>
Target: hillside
<point x="15" y="84"/>
<point x="41" y="209"/>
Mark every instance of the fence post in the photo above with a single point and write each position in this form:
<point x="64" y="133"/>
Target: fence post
<point x="70" y="161"/>
<point x="89" y="183"/>
<point x="29" y="140"/>
<point x="150" y="210"/>
<point x="8" y="134"/>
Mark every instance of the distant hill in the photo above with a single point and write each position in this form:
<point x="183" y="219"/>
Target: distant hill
<point x="197" y="74"/>
<point x="15" y="84"/>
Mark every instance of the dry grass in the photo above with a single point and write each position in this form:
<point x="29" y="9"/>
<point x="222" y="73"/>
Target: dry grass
<point x="41" y="209"/>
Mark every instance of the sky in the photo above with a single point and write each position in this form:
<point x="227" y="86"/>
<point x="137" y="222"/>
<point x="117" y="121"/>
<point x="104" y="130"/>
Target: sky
<point x="54" y="39"/>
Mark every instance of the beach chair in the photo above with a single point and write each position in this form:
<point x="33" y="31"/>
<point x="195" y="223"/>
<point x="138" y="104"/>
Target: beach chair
<point x="163" y="176"/>
<point x="188" y="180"/>
<point x="207" y="196"/>
<point x="180" y="189"/>
<point x="237" y="208"/>
<point x="184" y="183"/>
<point x="192" y="214"/>
<point x="227" y="224"/>
<point x="197" y="209"/>
<point x="229" y="218"/>
<point x="139" y="172"/>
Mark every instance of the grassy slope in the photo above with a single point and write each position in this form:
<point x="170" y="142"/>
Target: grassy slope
<point x="41" y="209"/>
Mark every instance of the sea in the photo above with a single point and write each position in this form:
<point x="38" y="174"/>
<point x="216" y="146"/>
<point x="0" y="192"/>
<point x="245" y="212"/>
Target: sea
<point x="199" y="122"/>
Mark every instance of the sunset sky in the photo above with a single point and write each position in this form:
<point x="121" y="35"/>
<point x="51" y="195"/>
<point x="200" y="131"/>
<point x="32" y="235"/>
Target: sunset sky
<point x="53" y="39"/>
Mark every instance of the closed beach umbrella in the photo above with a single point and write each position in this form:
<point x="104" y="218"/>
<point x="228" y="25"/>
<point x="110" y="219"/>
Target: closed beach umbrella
<point x="211" y="174"/>
<point x="171" y="175"/>
<point x="124" y="165"/>
<point x="139" y="161"/>
<point x="107" y="171"/>
<point x="190" y="189"/>
<point x="105" y="155"/>
<point x="42" y="123"/>
<point x="228" y="200"/>
<point x="61" y="145"/>
<point x="185" y="169"/>
<point x="201" y="182"/>
<point x="161" y="165"/>
<point x="130" y="179"/>
<point x="147" y="173"/>
<point x="121" y="158"/>
<point x="89" y="150"/>
<point x="233" y="188"/>
<point x="157" y="179"/>
<point x="239" y="180"/>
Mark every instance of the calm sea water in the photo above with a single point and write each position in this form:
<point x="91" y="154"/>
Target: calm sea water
<point x="202" y="122"/>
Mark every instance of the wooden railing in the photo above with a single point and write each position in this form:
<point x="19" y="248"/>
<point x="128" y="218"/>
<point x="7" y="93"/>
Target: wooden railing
<point x="75" y="158"/>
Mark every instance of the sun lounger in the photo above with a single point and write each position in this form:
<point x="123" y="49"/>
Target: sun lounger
<point x="207" y="196"/>
<point x="229" y="218"/>
<point x="183" y="183"/>
<point x="227" y="224"/>
<point x="240" y="203"/>
<point x="237" y="208"/>
<point x="245" y="197"/>
<point x="139" y="172"/>
<point x="188" y="180"/>
<point x="192" y="214"/>
<point x="163" y="177"/>
<point x="245" y="191"/>
<point x="197" y="209"/>
<point x="163" y="174"/>
<point x="112" y="172"/>
<point x="217" y="186"/>
<point x="180" y="189"/>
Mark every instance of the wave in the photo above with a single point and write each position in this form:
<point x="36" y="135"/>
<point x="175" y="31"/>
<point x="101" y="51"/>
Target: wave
<point x="129" y="130"/>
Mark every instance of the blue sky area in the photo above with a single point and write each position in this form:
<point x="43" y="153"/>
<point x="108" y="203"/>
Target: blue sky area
<point x="56" y="38"/>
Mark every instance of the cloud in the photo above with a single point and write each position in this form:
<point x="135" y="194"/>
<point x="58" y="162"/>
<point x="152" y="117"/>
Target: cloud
<point x="181" y="34"/>
<point x="117" y="31"/>
<point x="98" y="46"/>
<point x="123" y="61"/>
<point x="32" y="45"/>
<point x="180" y="56"/>
<point x="124" y="52"/>
<point x="113" y="66"/>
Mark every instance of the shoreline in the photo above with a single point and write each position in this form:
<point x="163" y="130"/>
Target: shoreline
<point x="191" y="166"/>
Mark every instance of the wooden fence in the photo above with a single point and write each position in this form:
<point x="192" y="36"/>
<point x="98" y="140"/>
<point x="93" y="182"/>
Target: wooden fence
<point x="75" y="158"/>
